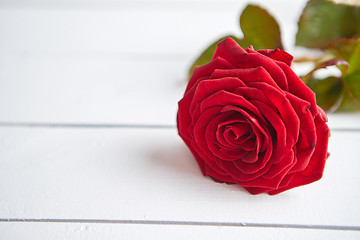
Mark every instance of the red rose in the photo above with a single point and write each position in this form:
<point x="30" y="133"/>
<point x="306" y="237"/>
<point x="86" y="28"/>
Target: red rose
<point x="248" y="119"/>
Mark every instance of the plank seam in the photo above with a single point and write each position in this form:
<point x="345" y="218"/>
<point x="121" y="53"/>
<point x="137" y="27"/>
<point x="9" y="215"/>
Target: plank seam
<point x="108" y="125"/>
<point x="187" y="223"/>
<point x="82" y="125"/>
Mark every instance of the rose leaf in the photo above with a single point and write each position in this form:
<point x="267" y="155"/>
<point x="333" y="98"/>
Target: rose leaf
<point x="328" y="92"/>
<point x="343" y="48"/>
<point x="351" y="99"/>
<point x="340" y="63"/>
<point x="260" y="28"/>
<point x="323" y="21"/>
<point x="354" y="61"/>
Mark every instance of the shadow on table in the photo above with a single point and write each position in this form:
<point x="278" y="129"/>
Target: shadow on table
<point x="176" y="159"/>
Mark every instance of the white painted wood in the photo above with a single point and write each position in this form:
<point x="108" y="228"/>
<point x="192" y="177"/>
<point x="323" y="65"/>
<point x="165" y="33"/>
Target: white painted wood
<point x="90" y="90"/>
<point x="57" y="231"/>
<point x="140" y="26"/>
<point x="344" y="121"/>
<point x="151" y="31"/>
<point x="148" y="174"/>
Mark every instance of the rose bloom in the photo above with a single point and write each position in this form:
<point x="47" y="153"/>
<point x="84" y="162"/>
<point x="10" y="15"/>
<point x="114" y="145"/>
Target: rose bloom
<point x="248" y="119"/>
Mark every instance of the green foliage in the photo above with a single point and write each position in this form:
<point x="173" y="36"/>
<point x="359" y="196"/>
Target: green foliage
<point x="335" y="29"/>
<point x="354" y="61"/>
<point x="323" y="21"/>
<point x="347" y="96"/>
<point x="260" y="28"/>
<point x="340" y="63"/>
<point x="351" y="96"/>
<point x="328" y="91"/>
<point x="343" y="48"/>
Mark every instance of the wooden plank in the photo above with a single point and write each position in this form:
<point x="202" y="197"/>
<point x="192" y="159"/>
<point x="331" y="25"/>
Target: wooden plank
<point x="91" y="90"/>
<point x="152" y="27"/>
<point x="19" y="231"/>
<point x="154" y="31"/>
<point x="148" y="174"/>
<point x="342" y="121"/>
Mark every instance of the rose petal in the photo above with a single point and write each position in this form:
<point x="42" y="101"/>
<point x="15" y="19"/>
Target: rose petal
<point x="277" y="54"/>
<point x="315" y="168"/>
<point x="229" y="50"/>
<point x="298" y="87"/>
<point x="223" y="98"/>
<point x="252" y="60"/>
<point x="199" y="143"/>
<point x="250" y="157"/>
<point x="210" y="136"/>
<point x="286" y="112"/>
<point x="223" y="129"/>
<point x="208" y="87"/>
<point x="238" y="175"/>
<point x="284" y="182"/>
<point x="278" y="136"/>
<point x="256" y="74"/>
<point x="305" y="146"/>
<point x="206" y="70"/>
<point x="286" y="163"/>
<point x="257" y="126"/>
<point x="260" y="182"/>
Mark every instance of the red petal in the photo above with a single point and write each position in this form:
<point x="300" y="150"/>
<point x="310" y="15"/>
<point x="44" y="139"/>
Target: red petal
<point x="277" y="54"/>
<point x="299" y="88"/>
<point x="208" y="87"/>
<point x="305" y="146"/>
<point x="241" y="177"/>
<point x="256" y="74"/>
<point x="199" y="143"/>
<point x="223" y="98"/>
<point x="315" y="168"/>
<point x="286" y="163"/>
<point x="252" y="60"/>
<point x="260" y="182"/>
<point x="278" y="137"/>
<point x="229" y="50"/>
<point x="287" y="113"/>
<point x="207" y="70"/>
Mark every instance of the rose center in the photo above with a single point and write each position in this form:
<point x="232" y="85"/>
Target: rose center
<point x="237" y="136"/>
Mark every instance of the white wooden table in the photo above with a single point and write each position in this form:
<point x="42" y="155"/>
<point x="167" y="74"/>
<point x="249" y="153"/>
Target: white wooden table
<point x="88" y="144"/>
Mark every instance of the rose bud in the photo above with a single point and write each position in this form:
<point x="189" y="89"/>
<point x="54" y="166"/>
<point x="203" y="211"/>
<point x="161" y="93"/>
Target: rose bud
<point x="248" y="119"/>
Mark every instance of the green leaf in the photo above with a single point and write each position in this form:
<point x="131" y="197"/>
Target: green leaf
<point x="354" y="61"/>
<point x="207" y="54"/>
<point x="348" y="49"/>
<point x="328" y="92"/>
<point x="323" y="21"/>
<point x="351" y="98"/>
<point x="260" y="28"/>
<point x="340" y="63"/>
<point x="343" y="48"/>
